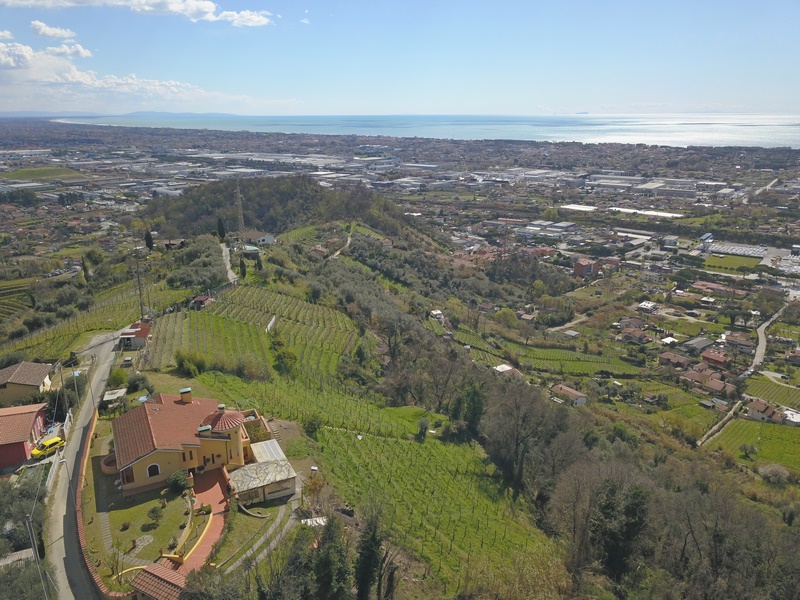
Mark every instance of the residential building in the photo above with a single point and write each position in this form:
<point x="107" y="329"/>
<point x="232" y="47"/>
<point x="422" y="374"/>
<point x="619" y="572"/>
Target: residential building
<point x="585" y="267"/>
<point x="674" y="360"/>
<point x="20" y="428"/>
<point x="564" y="392"/>
<point x="23" y="379"/>
<point x="178" y="432"/>
<point x="714" y="357"/>
<point x="759" y="410"/>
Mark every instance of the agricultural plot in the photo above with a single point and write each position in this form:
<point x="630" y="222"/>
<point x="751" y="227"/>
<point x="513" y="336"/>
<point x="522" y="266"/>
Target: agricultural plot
<point x="450" y="507"/>
<point x="234" y="327"/>
<point x="774" y="393"/>
<point x="36" y="173"/>
<point x="14" y="297"/>
<point x="364" y="230"/>
<point x="785" y="330"/>
<point x="775" y="443"/>
<point x="299" y="399"/>
<point x="571" y="362"/>
<point x="113" y="310"/>
<point x="306" y="236"/>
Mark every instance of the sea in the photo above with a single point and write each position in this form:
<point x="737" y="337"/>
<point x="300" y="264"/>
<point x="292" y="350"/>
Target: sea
<point x="770" y="131"/>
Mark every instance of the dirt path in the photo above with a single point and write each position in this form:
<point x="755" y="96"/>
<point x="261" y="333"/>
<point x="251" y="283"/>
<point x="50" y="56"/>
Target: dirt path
<point x="226" y="257"/>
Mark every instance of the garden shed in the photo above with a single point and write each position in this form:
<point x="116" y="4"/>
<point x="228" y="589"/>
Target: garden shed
<point x="269" y="478"/>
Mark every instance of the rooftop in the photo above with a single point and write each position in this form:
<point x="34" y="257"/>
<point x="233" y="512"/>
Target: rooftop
<point x="25" y="373"/>
<point x="16" y="422"/>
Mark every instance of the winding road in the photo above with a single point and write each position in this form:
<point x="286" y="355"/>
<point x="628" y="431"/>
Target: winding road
<point x="63" y="549"/>
<point x="758" y="359"/>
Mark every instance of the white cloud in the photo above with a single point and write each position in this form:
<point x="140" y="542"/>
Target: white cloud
<point x="47" y="79"/>
<point x="45" y="30"/>
<point x="15" y="56"/>
<point x="6" y="35"/>
<point x="71" y="50"/>
<point x="305" y="21"/>
<point x="194" y="10"/>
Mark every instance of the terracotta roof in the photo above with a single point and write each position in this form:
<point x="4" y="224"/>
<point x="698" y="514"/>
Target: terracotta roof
<point x="159" y="582"/>
<point x="25" y="373"/>
<point x="16" y="422"/>
<point x="164" y="423"/>
<point x="223" y="421"/>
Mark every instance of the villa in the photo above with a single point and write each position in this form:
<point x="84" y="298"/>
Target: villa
<point x="172" y="432"/>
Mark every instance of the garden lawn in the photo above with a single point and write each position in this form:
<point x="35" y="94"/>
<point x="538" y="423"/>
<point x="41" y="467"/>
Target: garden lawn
<point x="243" y="531"/>
<point x="100" y="492"/>
<point x="729" y="262"/>
<point x="775" y="443"/>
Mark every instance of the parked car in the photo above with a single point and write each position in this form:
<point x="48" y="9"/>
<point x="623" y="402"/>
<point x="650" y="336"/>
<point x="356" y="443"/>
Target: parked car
<point x="47" y="447"/>
<point x="127" y="361"/>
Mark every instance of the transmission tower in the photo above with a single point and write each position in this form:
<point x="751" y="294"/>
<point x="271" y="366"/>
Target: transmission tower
<point x="239" y="212"/>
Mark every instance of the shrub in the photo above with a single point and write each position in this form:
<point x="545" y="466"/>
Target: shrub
<point x="312" y="425"/>
<point x="138" y="382"/>
<point x="178" y="482"/>
<point x="125" y="526"/>
<point x="774" y="473"/>
<point x="118" y="378"/>
<point x="155" y="514"/>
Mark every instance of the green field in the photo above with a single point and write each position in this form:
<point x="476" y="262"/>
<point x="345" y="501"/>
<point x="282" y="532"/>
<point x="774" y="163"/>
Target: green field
<point x="729" y="262"/>
<point x="234" y="327"/>
<point x="775" y="443"/>
<point x="772" y="392"/>
<point x="304" y="235"/>
<point x="446" y="505"/>
<point x="38" y="173"/>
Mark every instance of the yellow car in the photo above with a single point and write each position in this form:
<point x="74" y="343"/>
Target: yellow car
<point x="47" y="447"/>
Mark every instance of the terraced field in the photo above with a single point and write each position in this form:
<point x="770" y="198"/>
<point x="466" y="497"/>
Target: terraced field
<point x="306" y="236"/>
<point x="234" y="326"/>
<point x="14" y="297"/>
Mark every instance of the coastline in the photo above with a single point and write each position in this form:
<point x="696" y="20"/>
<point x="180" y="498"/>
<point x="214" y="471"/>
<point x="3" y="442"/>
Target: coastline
<point x="768" y="131"/>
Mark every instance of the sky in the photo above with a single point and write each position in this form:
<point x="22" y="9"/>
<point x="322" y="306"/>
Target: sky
<point x="385" y="57"/>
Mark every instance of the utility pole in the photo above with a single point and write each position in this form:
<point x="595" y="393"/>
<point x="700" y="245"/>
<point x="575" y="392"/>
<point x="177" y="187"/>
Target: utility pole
<point x="35" y="546"/>
<point x="139" y="281"/>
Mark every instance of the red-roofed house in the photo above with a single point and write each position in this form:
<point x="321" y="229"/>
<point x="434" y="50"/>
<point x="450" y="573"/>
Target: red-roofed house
<point x="176" y="432"/>
<point x="23" y="379"/>
<point x="20" y="427"/>
<point x="160" y="583"/>
<point x="714" y="357"/>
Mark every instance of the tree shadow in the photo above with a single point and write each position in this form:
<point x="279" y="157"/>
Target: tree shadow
<point x="147" y="527"/>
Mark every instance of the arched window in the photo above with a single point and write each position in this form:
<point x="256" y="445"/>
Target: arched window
<point x="153" y="470"/>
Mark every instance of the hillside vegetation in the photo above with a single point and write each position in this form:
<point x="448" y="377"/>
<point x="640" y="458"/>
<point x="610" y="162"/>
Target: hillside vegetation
<point x="484" y="486"/>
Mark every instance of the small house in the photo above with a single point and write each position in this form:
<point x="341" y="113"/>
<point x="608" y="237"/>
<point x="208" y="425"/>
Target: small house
<point x="135" y="336"/>
<point x="20" y="428"/>
<point x="23" y="379"/>
<point x="564" y="392"/>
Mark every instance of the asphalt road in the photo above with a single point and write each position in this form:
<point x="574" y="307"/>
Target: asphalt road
<point x="61" y="534"/>
<point x="761" y="349"/>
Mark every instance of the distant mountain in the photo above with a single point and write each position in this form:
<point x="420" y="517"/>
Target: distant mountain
<point x="32" y="114"/>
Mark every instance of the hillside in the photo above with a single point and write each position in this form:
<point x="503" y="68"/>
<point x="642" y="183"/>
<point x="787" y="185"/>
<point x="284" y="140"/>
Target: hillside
<point x="488" y="485"/>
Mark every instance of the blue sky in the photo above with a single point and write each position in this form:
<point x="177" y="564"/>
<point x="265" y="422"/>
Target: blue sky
<point x="295" y="57"/>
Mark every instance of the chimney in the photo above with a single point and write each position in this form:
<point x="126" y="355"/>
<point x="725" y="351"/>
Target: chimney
<point x="186" y="395"/>
<point x="221" y="408"/>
